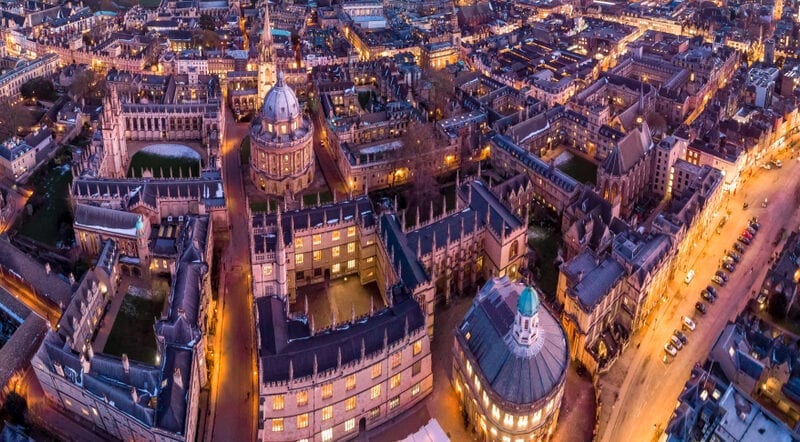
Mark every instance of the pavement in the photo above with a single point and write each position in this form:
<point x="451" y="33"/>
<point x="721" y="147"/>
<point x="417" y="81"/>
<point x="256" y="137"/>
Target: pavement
<point x="628" y="411"/>
<point x="234" y="396"/>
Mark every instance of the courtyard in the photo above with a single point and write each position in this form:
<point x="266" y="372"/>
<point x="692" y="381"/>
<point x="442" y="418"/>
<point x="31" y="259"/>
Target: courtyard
<point x="165" y="161"/>
<point x="47" y="217"/>
<point x="337" y="297"/>
<point x="133" y="331"/>
<point x="583" y="170"/>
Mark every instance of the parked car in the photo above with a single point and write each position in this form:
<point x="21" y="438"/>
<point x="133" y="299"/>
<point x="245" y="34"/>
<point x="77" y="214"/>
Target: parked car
<point x="708" y="296"/>
<point x="670" y="349"/>
<point x="717" y="280"/>
<point x="700" y="307"/>
<point x="712" y="290"/>
<point x="739" y="248"/>
<point x="688" y="324"/>
<point x="735" y="256"/>
<point x="679" y="334"/>
<point x="689" y="276"/>
<point x="676" y="342"/>
<point x="729" y="267"/>
<point x="751" y="230"/>
<point x="744" y="240"/>
<point x="722" y="275"/>
<point x="765" y="203"/>
<point x="754" y="223"/>
<point x="777" y="163"/>
<point x="728" y="260"/>
<point x="747" y="235"/>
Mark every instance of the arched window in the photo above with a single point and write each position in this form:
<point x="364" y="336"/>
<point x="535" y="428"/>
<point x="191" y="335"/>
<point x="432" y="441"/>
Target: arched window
<point x="513" y="250"/>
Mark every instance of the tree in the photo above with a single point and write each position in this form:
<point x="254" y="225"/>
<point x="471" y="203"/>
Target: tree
<point x="87" y="85"/>
<point x="441" y="89"/>
<point x="15" y="408"/>
<point x="14" y="118"/>
<point x="656" y="122"/>
<point x="38" y="88"/>
<point x="206" y="39"/>
<point x="777" y="306"/>
<point x="206" y="22"/>
<point x="419" y="145"/>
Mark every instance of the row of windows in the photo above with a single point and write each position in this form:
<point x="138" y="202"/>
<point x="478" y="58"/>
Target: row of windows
<point x="316" y="239"/>
<point x="302" y="420"/>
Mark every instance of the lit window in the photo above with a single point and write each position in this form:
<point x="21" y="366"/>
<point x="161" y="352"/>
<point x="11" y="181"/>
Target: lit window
<point x="298" y="258"/>
<point x="327" y="412"/>
<point x="277" y="424"/>
<point x="350" y="383"/>
<point x="374" y="412"/>
<point x="495" y="412"/>
<point x="370" y="259"/>
<point x="317" y="255"/>
<point x="336" y="268"/>
<point x="477" y="384"/>
<point x="522" y="422"/>
<point x="394" y="381"/>
<point x="394" y="402"/>
<point x="469" y="368"/>
<point x="351" y="231"/>
<point x="351" y="264"/>
<point x="302" y="397"/>
<point x="336" y="235"/>
<point x="327" y="435"/>
<point x="267" y="269"/>
<point x="302" y="420"/>
<point x="417" y="347"/>
<point x="327" y="390"/>
<point x="317" y="239"/>
<point x="375" y="391"/>
<point x="349" y="424"/>
<point x="351" y="247"/>
<point x="415" y="389"/>
<point x="277" y="402"/>
<point x="508" y="421"/>
<point x="350" y="403"/>
<point x="298" y="243"/>
<point x="335" y="251"/>
<point x="376" y="370"/>
<point x="397" y="359"/>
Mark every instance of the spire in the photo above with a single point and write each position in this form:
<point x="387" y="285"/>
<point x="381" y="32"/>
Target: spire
<point x="279" y="245"/>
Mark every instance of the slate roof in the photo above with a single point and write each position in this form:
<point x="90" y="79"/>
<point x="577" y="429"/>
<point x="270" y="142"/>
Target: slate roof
<point x="283" y="340"/>
<point x="531" y="161"/>
<point x="516" y="379"/>
<point x="52" y="286"/>
<point x="628" y="151"/>
<point x="590" y="280"/>
<point x="115" y="221"/>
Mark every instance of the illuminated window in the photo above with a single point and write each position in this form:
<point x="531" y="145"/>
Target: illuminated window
<point x="350" y="403"/>
<point x="267" y="269"/>
<point x="394" y="381"/>
<point x="351" y="247"/>
<point x="349" y="424"/>
<point x="298" y="258"/>
<point x="397" y="359"/>
<point x="327" y="435"/>
<point x="469" y="368"/>
<point x="417" y="347"/>
<point x="375" y="391"/>
<point x="335" y="251"/>
<point x="298" y="243"/>
<point x="370" y="259"/>
<point x="374" y="412"/>
<point x="336" y="235"/>
<point x="351" y="264"/>
<point x="277" y="424"/>
<point x="302" y="420"/>
<point x="317" y="239"/>
<point x="336" y="268"/>
<point x="394" y="402"/>
<point x="350" y="383"/>
<point x="376" y="370"/>
<point x="477" y="384"/>
<point x="277" y="402"/>
<point x="351" y="231"/>
<point x="327" y="412"/>
<point x="317" y="255"/>
<point x="302" y="397"/>
<point x="522" y="422"/>
<point x="495" y="412"/>
<point x="415" y="389"/>
<point x="508" y="421"/>
<point x="327" y="390"/>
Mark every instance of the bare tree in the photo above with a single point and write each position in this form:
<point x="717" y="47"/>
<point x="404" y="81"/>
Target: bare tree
<point x="656" y="122"/>
<point x="441" y="89"/>
<point x="14" y="118"/>
<point x="88" y="85"/>
<point x="419" y="152"/>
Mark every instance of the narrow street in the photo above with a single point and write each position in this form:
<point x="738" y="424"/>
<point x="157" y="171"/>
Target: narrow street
<point x="640" y="375"/>
<point x="234" y="396"/>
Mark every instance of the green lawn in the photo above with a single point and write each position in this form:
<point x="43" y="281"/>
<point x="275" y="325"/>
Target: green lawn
<point x="581" y="169"/>
<point x="51" y="220"/>
<point x="545" y="241"/>
<point x="149" y="3"/>
<point x="261" y="206"/>
<point x="162" y="164"/>
<point x="311" y="199"/>
<point x="133" y="332"/>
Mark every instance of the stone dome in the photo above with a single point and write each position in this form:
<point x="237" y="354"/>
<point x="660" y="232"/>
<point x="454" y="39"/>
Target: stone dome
<point x="280" y="104"/>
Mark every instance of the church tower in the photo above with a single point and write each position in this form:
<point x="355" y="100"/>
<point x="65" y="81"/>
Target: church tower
<point x="266" y="57"/>
<point x="114" y="144"/>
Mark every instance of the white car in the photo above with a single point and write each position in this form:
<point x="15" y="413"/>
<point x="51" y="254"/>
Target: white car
<point x="675" y="342"/>
<point x="670" y="349"/>
<point x="688" y="323"/>
<point x="689" y="276"/>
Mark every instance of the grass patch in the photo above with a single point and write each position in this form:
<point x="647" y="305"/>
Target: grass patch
<point x="311" y="198"/>
<point x="51" y="218"/>
<point x="544" y="239"/>
<point x="261" y="206"/>
<point x="244" y="151"/>
<point x="133" y="332"/>
<point x="149" y="3"/>
<point x="581" y="169"/>
<point x="159" y="164"/>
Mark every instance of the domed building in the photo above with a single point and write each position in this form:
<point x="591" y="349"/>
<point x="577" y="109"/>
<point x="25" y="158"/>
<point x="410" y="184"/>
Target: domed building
<point x="510" y="363"/>
<point x="281" y="143"/>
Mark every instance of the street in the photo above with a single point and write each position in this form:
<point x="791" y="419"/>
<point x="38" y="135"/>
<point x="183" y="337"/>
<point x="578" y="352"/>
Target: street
<point x="234" y="396"/>
<point x="649" y="387"/>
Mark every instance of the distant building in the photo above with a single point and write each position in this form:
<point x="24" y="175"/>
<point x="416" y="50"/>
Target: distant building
<point x="510" y="361"/>
<point x="20" y="157"/>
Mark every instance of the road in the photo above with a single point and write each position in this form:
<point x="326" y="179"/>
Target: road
<point x="43" y="306"/>
<point x="636" y="415"/>
<point x="326" y="159"/>
<point x="234" y="396"/>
